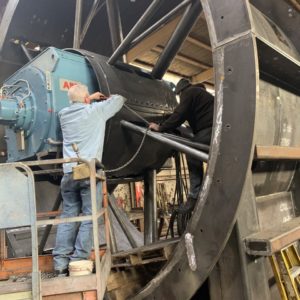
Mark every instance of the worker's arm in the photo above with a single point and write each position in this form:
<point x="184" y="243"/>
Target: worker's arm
<point x="97" y="96"/>
<point x="109" y="107"/>
<point x="177" y="118"/>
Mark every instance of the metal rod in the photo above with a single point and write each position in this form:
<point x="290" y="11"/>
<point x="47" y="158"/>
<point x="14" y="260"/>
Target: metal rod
<point x="187" y="142"/>
<point x="137" y="28"/>
<point x="51" y="141"/>
<point x="48" y="228"/>
<point x="114" y="21"/>
<point x="70" y="219"/>
<point x="93" y="12"/>
<point x="167" y="141"/>
<point x="185" y="25"/>
<point x="53" y="171"/>
<point x="95" y="222"/>
<point x="150" y="207"/>
<point x="77" y="24"/>
<point x="160" y="22"/>
<point x="26" y="52"/>
<point x="50" y="161"/>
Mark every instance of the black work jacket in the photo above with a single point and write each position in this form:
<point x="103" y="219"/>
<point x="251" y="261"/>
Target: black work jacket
<point x="196" y="106"/>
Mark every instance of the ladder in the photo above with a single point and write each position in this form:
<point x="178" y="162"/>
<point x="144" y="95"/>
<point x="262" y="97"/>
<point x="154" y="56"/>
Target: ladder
<point x="286" y="268"/>
<point x="279" y="244"/>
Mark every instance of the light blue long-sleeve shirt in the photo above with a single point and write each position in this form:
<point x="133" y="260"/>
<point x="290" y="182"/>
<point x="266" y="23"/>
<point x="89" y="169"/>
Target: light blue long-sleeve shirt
<point x="84" y="125"/>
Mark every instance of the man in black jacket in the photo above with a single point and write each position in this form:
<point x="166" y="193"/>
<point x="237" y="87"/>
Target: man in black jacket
<point x="196" y="106"/>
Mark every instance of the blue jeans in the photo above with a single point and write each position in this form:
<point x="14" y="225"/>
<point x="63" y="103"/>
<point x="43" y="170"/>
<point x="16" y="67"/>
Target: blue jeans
<point x="74" y="241"/>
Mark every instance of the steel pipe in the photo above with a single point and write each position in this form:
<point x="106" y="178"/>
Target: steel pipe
<point x="150" y="207"/>
<point x="93" y="12"/>
<point x="167" y="141"/>
<point x="160" y="23"/>
<point x="185" y="25"/>
<point x="26" y="52"/>
<point x="187" y="142"/>
<point x="137" y="28"/>
<point x="77" y="24"/>
<point x="114" y="21"/>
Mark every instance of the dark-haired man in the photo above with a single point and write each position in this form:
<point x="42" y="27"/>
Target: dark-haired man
<point x="196" y="107"/>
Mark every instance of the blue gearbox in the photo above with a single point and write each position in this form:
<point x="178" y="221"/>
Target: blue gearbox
<point x="32" y="97"/>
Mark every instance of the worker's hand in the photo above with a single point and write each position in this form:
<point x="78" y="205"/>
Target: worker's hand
<point x="97" y="96"/>
<point x="154" y="126"/>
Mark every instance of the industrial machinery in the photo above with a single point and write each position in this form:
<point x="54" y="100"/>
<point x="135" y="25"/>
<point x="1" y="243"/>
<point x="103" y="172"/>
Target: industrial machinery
<point x="33" y="96"/>
<point x="255" y="49"/>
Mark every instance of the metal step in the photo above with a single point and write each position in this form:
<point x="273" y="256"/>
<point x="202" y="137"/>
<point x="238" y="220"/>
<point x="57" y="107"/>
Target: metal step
<point x="266" y="243"/>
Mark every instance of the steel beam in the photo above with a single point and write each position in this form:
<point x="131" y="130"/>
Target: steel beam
<point x="26" y="52"/>
<point x="137" y="28"/>
<point x="150" y="207"/>
<point x="198" y="43"/>
<point x="160" y="23"/>
<point x="114" y="21"/>
<point x="185" y="25"/>
<point x="93" y="12"/>
<point x="185" y="59"/>
<point x="77" y="24"/>
<point x="153" y="39"/>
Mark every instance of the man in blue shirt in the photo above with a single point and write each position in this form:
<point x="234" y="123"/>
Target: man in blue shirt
<point x="83" y="124"/>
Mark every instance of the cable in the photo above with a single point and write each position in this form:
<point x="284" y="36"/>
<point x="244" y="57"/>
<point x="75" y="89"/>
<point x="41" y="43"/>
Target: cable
<point x="132" y="158"/>
<point x="136" y="114"/>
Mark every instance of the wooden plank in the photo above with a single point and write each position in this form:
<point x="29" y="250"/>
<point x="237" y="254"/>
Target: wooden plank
<point x="266" y="243"/>
<point x="147" y="248"/>
<point x="16" y="266"/>
<point x="135" y="215"/>
<point x="157" y="252"/>
<point x="3" y="249"/>
<point x="48" y="214"/>
<point x="14" y="287"/>
<point x="198" y="43"/>
<point x="277" y="152"/>
<point x="105" y="267"/>
<point x="64" y="285"/>
<point x="152" y="40"/>
<point x="17" y="296"/>
<point x="184" y="58"/>
<point x="203" y="76"/>
<point x="90" y="295"/>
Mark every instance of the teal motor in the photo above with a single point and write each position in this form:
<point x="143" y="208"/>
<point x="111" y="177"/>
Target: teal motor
<point x="32" y="97"/>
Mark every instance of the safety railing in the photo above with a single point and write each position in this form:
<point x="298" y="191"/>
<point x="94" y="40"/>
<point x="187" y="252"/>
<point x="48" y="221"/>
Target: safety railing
<point x="102" y="264"/>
